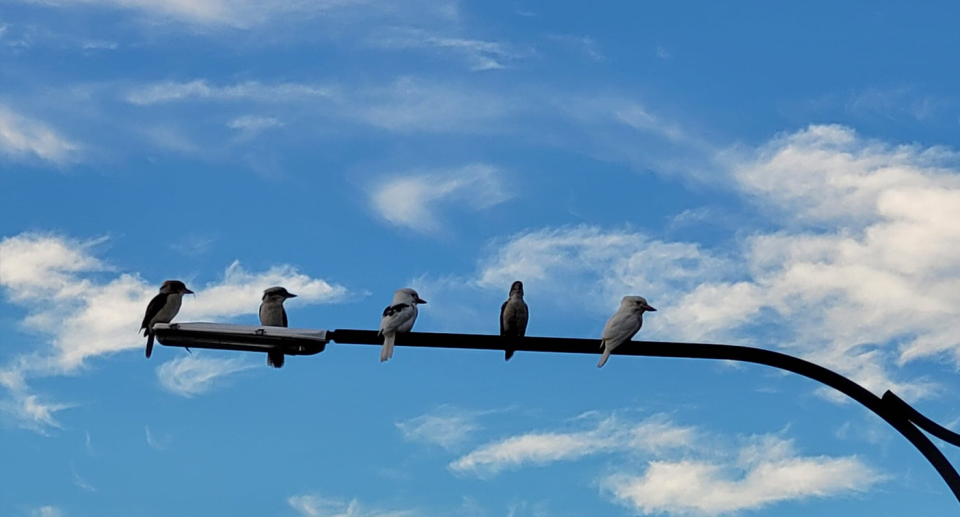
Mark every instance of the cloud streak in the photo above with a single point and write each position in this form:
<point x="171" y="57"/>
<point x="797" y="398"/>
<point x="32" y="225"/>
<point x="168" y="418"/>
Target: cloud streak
<point x="23" y="138"/>
<point x="195" y="374"/>
<point x="415" y="200"/>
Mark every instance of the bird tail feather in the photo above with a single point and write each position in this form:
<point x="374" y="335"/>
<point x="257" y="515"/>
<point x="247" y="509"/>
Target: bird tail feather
<point x="507" y="354"/>
<point x="387" y="351"/>
<point x="149" y="344"/>
<point x="605" y="356"/>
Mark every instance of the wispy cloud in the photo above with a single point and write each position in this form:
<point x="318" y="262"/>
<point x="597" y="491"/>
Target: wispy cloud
<point x="31" y="411"/>
<point x="312" y="505"/>
<point x="608" y="435"/>
<point x="82" y="483"/>
<point x="47" y="511"/>
<point x="22" y="137"/>
<point x="447" y="427"/>
<point x="764" y="472"/>
<point x="248" y="14"/>
<point x="583" y="44"/>
<point x="88" y="310"/>
<point x="157" y="443"/>
<point x="200" y="89"/>
<point x="195" y="374"/>
<point x="251" y="125"/>
<point x="414" y="200"/>
<point x="482" y="55"/>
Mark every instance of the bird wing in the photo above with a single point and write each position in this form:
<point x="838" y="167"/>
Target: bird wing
<point x="622" y="326"/>
<point x="503" y="328"/>
<point x="523" y="316"/>
<point x="395" y="316"/>
<point x="153" y="308"/>
<point x="283" y="315"/>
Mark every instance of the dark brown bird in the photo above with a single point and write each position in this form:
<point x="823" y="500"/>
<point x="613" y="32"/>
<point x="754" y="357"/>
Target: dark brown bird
<point x="163" y="308"/>
<point x="513" y="317"/>
<point x="272" y="314"/>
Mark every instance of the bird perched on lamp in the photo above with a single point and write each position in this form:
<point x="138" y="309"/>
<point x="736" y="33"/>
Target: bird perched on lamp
<point x="623" y="325"/>
<point x="163" y="308"/>
<point x="272" y="314"/>
<point x="513" y="317"/>
<point x="398" y="317"/>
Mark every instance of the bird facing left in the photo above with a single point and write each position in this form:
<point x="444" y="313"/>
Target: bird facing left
<point x="163" y="308"/>
<point x="272" y="314"/>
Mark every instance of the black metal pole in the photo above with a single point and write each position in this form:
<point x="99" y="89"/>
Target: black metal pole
<point x="891" y="408"/>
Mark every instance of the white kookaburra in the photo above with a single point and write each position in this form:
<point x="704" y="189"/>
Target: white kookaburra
<point x="623" y="325"/>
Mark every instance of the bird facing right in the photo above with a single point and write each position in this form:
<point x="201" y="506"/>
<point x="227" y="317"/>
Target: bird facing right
<point x="398" y="317"/>
<point x="272" y="314"/>
<point x="163" y="308"/>
<point x="623" y="325"/>
<point x="513" y="316"/>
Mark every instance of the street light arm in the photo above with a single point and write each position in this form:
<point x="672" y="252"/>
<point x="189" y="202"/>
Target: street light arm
<point x="900" y="415"/>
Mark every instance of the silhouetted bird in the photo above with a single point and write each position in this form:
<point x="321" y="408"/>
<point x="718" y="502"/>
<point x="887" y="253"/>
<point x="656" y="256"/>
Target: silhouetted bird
<point x="272" y="314"/>
<point x="513" y="316"/>
<point x="399" y="317"/>
<point x="163" y="308"/>
<point x="623" y="325"/>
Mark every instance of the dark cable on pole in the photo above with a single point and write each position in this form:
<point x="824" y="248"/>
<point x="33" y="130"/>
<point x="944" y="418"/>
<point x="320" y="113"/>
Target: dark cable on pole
<point x="896" y="412"/>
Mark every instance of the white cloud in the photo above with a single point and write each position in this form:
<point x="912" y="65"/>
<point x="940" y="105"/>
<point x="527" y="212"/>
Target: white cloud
<point x="89" y="310"/>
<point x="447" y="427"/>
<point x="30" y="411"/>
<point x="47" y="511"/>
<point x="244" y="14"/>
<point x="23" y="137"/>
<point x="602" y="265"/>
<point x="766" y="471"/>
<point x="194" y="374"/>
<point x="166" y="92"/>
<point x="311" y="505"/>
<point x="610" y="434"/>
<point x="412" y="200"/>
<point x="862" y="277"/>
<point x="252" y="124"/>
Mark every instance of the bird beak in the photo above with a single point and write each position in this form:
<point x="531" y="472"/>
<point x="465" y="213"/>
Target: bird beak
<point x="418" y="300"/>
<point x="187" y="291"/>
<point x="649" y="308"/>
<point x="291" y="295"/>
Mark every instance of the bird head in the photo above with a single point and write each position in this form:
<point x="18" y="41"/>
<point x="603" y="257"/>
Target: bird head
<point x="407" y="295"/>
<point x="175" y="286"/>
<point x="517" y="289"/>
<point x="277" y="294"/>
<point x="637" y="303"/>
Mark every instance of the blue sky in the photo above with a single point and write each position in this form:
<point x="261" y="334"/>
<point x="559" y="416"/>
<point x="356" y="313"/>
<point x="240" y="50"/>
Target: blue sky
<point x="784" y="176"/>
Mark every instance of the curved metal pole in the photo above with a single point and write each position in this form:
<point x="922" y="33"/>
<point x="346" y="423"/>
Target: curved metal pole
<point x="894" y="411"/>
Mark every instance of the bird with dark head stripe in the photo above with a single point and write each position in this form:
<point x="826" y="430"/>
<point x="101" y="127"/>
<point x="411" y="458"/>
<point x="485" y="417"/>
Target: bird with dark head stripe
<point x="272" y="314"/>
<point x="163" y="308"/>
<point x="398" y="317"/>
